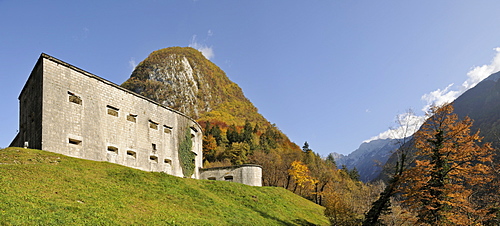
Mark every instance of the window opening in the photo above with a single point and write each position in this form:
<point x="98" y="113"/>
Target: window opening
<point x="168" y="161"/>
<point x="74" y="98"/>
<point x="132" y="118"/>
<point x="153" y="125"/>
<point x="211" y="178"/>
<point x="113" y="149"/>
<point x="194" y="129"/>
<point x="167" y="129"/>
<point x="228" y="178"/>
<point x="112" y="110"/>
<point x="74" y="141"/>
<point x="153" y="158"/>
<point x="131" y="153"/>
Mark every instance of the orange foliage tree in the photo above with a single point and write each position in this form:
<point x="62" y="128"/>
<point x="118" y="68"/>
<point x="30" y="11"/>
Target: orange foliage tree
<point x="451" y="168"/>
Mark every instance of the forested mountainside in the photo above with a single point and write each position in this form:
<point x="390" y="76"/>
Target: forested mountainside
<point x="482" y="104"/>
<point x="235" y="133"/>
<point x="183" y="79"/>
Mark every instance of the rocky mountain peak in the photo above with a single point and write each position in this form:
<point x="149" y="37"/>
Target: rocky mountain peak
<point x="173" y="77"/>
<point x="183" y="79"/>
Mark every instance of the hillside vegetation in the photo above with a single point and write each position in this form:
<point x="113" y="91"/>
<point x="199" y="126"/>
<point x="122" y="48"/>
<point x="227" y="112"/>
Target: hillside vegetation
<point x="234" y="132"/>
<point x="44" y="188"/>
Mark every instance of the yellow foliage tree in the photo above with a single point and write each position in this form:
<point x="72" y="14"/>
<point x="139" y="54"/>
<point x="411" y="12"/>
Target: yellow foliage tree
<point x="301" y="175"/>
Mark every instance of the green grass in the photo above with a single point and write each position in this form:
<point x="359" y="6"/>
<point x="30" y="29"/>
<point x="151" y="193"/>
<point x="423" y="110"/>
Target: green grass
<point x="44" y="188"/>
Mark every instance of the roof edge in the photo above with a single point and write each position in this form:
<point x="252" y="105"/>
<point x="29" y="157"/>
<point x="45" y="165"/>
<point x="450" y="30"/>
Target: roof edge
<point x="230" y="167"/>
<point x="51" y="58"/>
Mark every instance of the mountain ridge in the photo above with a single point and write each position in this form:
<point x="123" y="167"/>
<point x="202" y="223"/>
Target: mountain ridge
<point x="369" y="158"/>
<point x="480" y="103"/>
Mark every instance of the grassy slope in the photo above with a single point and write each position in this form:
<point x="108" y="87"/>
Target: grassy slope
<point x="38" y="187"/>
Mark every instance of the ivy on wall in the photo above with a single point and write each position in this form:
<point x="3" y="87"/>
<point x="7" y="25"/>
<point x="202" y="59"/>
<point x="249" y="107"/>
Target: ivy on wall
<point x="186" y="156"/>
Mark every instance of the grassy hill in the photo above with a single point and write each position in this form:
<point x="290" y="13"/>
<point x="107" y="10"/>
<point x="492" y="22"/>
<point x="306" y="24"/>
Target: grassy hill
<point x="44" y="188"/>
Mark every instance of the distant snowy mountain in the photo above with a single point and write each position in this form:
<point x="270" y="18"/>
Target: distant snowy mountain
<point x="368" y="158"/>
<point x="482" y="104"/>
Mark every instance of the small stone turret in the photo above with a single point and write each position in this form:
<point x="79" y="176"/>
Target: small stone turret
<point x="248" y="174"/>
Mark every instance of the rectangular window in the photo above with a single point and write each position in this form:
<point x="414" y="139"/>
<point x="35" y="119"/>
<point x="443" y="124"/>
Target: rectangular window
<point x="132" y="118"/>
<point x="113" y="149"/>
<point x="153" y="146"/>
<point x="74" y="98"/>
<point x="167" y="129"/>
<point x="153" y="158"/>
<point x="131" y="154"/>
<point x="112" y="110"/>
<point x="153" y="125"/>
<point x="74" y="141"/>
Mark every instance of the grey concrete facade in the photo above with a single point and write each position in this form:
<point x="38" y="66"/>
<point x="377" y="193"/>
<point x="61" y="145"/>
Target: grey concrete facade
<point x="248" y="174"/>
<point x="66" y="110"/>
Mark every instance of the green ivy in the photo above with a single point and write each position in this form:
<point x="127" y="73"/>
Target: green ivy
<point x="186" y="155"/>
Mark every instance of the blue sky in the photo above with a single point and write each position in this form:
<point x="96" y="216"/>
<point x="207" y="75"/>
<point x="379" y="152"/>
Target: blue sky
<point x="333" y="73"/>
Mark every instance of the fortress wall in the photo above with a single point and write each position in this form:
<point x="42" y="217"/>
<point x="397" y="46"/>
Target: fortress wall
<point x="88" y="117"/>
<point x="248" y="174"/>
<point x="30" y="117"/>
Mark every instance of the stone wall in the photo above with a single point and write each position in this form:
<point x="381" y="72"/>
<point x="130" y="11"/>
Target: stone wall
<point x="67" y="110"/>
<point x="30" y="112"/>
<point x="248" y="174"/>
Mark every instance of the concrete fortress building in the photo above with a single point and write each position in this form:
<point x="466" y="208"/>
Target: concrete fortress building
<point x="67" y="110"/>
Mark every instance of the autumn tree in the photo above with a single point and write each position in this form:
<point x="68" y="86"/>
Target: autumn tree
<point x="323" y="170"/>
<point x="209" y="146"/>
<point x="451" y="166"/>
<point x="301" y="175"/>
<point x="346" y="200"/>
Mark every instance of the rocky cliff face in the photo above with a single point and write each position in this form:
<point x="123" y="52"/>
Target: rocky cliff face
<point x="183" y="79"/>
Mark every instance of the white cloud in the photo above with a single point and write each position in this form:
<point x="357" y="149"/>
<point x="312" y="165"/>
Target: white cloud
<point x="207" y="51"/>
<point x="474" y="76"/>
<point x="407" y="124"/>
<point x="440" y="96"/>
<point x="132" y="63"/>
